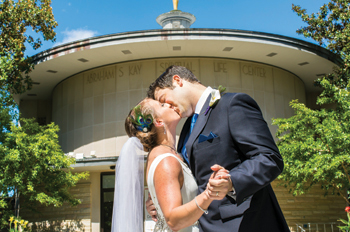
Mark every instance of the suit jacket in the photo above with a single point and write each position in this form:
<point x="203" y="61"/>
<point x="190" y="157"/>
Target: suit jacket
<point x="245" y="147"/>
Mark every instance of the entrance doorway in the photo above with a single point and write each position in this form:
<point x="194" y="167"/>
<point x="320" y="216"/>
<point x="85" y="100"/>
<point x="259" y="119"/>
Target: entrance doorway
<point x="107" y="197"/>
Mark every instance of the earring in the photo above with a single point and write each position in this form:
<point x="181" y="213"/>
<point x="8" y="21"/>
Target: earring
<point x="164" y="130"/>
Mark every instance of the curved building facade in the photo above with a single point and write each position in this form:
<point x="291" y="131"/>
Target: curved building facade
<point x="90" y="107"/>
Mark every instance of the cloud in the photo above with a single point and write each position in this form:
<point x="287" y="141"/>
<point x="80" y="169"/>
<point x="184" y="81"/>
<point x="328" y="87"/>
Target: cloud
<point x="76" y="34"/>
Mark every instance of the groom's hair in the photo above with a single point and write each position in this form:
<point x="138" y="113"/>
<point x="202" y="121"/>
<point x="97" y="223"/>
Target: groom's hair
<point x="166" y="79"/>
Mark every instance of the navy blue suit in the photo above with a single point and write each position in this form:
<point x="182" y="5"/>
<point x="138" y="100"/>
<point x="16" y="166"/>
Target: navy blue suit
<point x="245" y="147"/>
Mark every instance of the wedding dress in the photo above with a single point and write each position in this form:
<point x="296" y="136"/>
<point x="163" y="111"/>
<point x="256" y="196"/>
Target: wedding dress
<point x="188" y="192"/>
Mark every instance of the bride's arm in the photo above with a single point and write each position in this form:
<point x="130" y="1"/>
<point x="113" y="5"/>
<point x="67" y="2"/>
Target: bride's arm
<point x="168" y="180"/>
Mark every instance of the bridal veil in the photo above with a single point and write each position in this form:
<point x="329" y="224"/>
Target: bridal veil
<point x="129" y="188"/>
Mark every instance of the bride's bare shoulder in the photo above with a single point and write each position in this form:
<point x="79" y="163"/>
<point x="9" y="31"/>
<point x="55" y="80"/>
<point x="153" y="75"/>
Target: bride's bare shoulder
<point x="167" y="163"/>
<point x="157" y="151"/>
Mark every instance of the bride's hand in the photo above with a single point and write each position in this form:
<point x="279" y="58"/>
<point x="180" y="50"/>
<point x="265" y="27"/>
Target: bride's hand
<point x="151" y="209"/>
<point x="219" y="183"/>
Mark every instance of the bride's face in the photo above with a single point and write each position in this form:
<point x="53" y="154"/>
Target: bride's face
<point x="165" y="112"/>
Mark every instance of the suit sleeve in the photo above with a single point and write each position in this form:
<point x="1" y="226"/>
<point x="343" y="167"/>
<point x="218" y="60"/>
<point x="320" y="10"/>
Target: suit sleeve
<point x="261" y="160"/>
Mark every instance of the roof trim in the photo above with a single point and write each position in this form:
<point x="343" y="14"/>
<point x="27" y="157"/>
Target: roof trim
<point x="200" y="32"/>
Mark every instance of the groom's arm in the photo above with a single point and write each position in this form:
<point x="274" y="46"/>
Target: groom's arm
<point x="262" y="160"/>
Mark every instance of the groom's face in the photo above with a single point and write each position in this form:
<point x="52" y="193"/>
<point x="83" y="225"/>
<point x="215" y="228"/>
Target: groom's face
<point x="177" y="98"/>
<point x="165" y="112"/>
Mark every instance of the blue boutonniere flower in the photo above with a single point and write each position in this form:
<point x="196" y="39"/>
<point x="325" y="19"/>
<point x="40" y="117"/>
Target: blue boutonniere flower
<point x="215" y="97"/>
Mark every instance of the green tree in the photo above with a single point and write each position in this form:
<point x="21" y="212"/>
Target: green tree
<point x="32" y="164"/>
<point x="315" y="143"/>
<point x="16" y="17"/>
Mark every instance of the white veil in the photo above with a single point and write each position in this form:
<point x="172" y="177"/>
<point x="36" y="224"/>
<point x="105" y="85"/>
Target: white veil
<point x="129" y="188"/>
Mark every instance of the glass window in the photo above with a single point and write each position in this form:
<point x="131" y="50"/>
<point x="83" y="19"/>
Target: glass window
<point x="108" y="181"/>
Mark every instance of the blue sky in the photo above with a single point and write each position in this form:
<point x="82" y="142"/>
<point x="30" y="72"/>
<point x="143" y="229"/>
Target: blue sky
<point x="79" y="19"/>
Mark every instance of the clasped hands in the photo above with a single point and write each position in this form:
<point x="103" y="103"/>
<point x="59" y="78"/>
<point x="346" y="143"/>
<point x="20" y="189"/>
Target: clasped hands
<point x="218" y="186"/>
<point x="219" y="183"/>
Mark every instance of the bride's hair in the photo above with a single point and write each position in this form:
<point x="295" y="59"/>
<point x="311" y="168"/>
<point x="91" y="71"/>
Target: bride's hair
<point x="148" y="138"/>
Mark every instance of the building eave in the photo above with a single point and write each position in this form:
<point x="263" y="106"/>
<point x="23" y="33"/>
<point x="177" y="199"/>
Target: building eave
<point x="100" y="51"/>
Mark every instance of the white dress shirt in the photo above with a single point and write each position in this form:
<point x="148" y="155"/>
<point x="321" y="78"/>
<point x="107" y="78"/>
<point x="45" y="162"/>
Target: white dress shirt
<point x="202" y="100"/>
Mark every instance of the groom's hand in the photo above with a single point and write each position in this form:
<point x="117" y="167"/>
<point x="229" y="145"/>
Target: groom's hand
<point x="219" y="172"/>
<point x="219" y="183"/>
<point x="151" y="209"/>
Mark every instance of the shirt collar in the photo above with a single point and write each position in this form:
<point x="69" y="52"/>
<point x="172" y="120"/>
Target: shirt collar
<point x="202" y="100"/>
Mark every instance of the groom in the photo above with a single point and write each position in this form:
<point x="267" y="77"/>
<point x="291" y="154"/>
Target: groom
<point x="233" y="134"/>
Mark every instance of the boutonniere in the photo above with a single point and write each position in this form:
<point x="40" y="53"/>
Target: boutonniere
<point x="215" y="97"/>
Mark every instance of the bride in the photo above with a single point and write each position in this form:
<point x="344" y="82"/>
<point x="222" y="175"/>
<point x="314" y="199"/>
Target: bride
<point x="172" y="187"/>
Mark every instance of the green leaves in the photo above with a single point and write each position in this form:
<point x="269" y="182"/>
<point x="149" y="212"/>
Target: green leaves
<point x="346" y="227"/>
<point x="31" y="161"/>
<point x="33" y="164"/>
<point x="329" y="27"/>
<point x="315" y="143"/>
<point x="15" y="18"/>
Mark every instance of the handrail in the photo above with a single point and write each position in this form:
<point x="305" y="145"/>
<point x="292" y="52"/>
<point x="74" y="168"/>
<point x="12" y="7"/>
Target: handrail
<point x="317" y="227"/>
<point x="300" y="227"/>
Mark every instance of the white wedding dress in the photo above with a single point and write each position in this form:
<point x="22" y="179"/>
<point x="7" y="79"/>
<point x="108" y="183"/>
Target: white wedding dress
<point x="188" y="192"/>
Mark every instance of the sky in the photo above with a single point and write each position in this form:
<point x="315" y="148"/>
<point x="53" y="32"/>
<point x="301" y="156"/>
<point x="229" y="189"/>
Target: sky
<point x="80" y="19"/>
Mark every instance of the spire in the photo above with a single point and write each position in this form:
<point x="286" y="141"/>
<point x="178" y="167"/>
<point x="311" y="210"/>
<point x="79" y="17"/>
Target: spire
<point x="176" y="19"/>
<point x="175" y="4"/>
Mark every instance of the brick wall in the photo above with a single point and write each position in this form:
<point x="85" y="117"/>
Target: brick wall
<point x="313" y="207"/>
<point x="67" y="217"/>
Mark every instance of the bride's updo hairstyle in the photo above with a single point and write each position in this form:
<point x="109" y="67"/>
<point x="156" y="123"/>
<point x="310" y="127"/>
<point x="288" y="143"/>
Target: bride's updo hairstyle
<point x="139" y="123"/>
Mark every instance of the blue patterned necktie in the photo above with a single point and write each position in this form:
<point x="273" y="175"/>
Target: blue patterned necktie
<point x="183" y="150"/>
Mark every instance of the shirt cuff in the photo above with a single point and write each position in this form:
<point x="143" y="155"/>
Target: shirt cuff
<point x="232" y="193"/>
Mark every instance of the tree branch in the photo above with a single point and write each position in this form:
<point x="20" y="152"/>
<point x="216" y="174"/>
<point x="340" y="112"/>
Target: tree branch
<point x="346" y="199"/>
<point x="346" y="172"/>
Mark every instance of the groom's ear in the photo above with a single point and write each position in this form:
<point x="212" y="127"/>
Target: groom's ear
<point x="177" y="81"/>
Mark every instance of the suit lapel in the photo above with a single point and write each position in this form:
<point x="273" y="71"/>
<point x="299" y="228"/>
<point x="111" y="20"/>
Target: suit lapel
<point x="184" y="132"/>
<point x="198" y="127"/>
